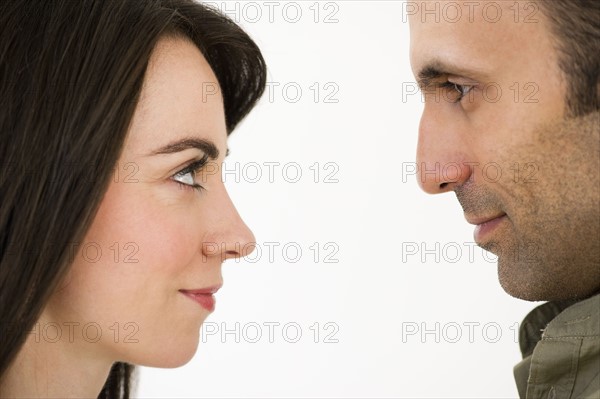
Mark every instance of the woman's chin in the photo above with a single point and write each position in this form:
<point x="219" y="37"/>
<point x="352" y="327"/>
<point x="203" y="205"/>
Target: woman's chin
<point x="173" y="354"/>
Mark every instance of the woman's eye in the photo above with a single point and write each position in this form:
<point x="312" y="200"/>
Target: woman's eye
<point x="187" y="176"/>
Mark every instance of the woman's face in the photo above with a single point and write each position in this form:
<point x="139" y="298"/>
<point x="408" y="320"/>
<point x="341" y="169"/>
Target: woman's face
<point x="155" y="234"/>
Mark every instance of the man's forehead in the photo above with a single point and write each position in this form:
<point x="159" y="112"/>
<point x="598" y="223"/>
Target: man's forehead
<point x="489" y="11"/>
<point x="450" y="45"/>
<point x="483" y="36"/>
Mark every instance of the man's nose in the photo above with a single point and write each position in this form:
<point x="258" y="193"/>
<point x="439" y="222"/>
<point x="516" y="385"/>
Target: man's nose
<point x="442" y="159"/>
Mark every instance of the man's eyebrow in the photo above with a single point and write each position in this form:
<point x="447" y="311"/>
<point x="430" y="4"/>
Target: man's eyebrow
<point x="206" y="146"/>
<point x="427" y="74"/>
<point x="437" y="69"/>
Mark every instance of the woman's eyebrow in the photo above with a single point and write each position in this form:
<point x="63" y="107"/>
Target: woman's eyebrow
<point x="206" y="146"/>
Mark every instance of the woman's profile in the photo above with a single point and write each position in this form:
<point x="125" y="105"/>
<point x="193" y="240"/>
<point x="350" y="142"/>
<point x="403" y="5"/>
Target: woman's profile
<point x="114" y="223"/>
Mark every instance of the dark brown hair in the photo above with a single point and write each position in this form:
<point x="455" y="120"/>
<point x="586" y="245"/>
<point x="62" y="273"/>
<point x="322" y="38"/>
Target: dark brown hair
<point x="575" y="25"/>
<point x="70" y="77"/>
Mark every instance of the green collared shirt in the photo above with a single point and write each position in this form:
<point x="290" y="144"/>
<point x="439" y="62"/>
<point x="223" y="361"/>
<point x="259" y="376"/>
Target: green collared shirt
<point x="560" y="343"/>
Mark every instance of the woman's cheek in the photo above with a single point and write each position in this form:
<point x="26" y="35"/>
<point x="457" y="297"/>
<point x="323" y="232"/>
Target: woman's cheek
<point x="168" y="237"/>
<point x="157" y="230"/>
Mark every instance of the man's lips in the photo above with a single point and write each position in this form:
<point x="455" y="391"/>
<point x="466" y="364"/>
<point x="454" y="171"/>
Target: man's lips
<point x="203" y="296"/>
<point x="478" y="220"/>
<point x="485" y="225"/>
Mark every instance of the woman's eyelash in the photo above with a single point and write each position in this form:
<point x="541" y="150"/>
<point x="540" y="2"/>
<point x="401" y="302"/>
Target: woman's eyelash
<point x="191" y="169"/>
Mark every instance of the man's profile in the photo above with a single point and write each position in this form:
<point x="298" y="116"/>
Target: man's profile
<point x="511" y="125"/>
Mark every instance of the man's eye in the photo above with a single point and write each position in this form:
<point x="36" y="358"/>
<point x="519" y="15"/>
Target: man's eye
<point x="455" y="91"/>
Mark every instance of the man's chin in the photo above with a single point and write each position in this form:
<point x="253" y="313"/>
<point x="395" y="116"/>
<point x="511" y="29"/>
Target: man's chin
<point x="519" y="280"/>
<point x="520" y="292"/>
<point x="531" y="282"/>
<point x="516" y="270"/>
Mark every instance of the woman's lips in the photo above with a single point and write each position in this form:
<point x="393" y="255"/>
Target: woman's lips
<point x="203" y="296"/>
<point x="207" y="301"/>
<point x="485" y="228"/>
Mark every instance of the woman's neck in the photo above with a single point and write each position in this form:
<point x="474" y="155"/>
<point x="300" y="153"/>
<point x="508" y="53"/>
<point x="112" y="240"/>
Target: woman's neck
<point x="66" y="368"/>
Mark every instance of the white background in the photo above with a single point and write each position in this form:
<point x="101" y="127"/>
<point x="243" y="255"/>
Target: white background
<point x="374" y="216"/>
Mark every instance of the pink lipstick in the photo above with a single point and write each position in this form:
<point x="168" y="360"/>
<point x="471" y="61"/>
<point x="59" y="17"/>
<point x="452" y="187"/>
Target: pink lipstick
<point x="204" y="297"/>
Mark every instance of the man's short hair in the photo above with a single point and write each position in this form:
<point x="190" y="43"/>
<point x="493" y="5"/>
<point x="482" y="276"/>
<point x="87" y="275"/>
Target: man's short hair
<point x="575" y="25"/>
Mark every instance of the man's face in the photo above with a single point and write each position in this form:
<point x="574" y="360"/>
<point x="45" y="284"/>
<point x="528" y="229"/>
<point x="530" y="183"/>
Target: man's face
<point x="494" y="131"/>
